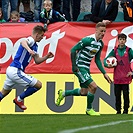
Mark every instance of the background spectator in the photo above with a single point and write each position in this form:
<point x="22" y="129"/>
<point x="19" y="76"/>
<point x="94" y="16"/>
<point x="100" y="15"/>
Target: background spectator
<point x="29" y="16"/>
<point x="127" y="10"/>
<point x="93" y="2"/>
<point x="38" y="6"/>
<point x="105" y="11"/>
<point x="1" y="16"/>
<point x="49" y="15"/>
<point x="75" y="9"/>
<point x="5" y="5"/>
<point x="15" y="17"/>
<point x="0" y="3"/>
<point x="26" y="5"/>
<point x="37" y="9"/>
<point x="57" y="5"/>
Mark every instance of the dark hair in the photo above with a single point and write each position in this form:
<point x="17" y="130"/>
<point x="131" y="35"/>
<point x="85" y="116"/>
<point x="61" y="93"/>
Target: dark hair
<point x="122" y="35"/>
<point x="39" y="29"/>
<point x="100" y="24"/>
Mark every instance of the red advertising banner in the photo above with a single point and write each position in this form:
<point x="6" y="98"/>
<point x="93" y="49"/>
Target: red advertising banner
<point x="59" y="39"/>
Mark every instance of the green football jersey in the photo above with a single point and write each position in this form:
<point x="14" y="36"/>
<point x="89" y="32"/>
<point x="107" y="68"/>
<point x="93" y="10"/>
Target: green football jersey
<point x="86" y="49"/>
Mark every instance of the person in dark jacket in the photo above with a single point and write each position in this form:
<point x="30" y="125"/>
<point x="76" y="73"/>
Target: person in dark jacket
<point x="104" y="11"/>
<point x="127" y="10"/>
<point x="93" y="2"/>
<point x="49" y="15"/>
<point x="0" y="3"/>
<point x="71" y="9"/>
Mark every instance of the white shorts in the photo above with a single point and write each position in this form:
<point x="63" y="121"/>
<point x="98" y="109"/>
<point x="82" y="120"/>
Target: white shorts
<point x="16" y="77"/>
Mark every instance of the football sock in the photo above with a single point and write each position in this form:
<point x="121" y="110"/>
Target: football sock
<point x="28" y="92"/>
<point x="1" y="96"/>
<point x="90" y="98"/>
<point x="75" y="92"/>
<point x="19" y="99"/>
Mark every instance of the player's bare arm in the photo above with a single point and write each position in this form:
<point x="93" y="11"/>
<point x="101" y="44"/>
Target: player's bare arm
<point x="99" y="64"/>
<point x="24" y="43"/>
<point x="39" y="60"/>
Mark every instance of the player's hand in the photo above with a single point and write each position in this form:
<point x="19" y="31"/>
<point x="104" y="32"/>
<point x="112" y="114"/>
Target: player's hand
<point x="50" y="55"/>
<point x="48" y="21"/>
<point x="110" y="66"/>
<point x="129" y="74"/>
<point x="106" y="22"/>
<point x="107" y="78"/>
<point x="75" y="68"/>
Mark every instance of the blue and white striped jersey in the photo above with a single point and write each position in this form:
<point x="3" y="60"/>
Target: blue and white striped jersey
<point x="22" y="57"/>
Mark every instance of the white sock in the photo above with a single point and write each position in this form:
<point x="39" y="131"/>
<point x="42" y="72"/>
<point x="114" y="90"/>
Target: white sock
<point x="19" y="99"/>
<point x="63" y="94"/>
<point x="88" y="109"/>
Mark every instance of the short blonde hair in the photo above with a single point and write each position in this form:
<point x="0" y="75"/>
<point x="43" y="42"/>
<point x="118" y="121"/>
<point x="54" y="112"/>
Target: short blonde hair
<point x="47" y="2"/>
<point x="16" y="13"/>
<point x="100" y="24"/>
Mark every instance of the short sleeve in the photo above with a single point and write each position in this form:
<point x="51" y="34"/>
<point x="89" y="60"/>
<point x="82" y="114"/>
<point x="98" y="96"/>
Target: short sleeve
<point x="30" y="41"/>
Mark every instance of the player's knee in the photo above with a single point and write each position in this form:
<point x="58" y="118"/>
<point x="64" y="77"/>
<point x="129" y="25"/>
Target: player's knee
<point x="83" y="92"/>
<point x="93" y="89"/>
<point x="5" y="92"/>
<point x="38" y="85"/>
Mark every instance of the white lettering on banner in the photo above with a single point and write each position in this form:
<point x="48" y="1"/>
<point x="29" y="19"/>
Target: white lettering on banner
<point x="128" y="30"/>
<point x="11" y="50"/>
<point x="16" y="45"/>
<point x="112" y="42"/>
<point x="53" y="41"/>
<point x="111" y="45"/>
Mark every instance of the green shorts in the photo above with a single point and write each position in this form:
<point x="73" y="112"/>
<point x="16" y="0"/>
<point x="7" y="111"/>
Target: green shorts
<point x="84" y="78"/>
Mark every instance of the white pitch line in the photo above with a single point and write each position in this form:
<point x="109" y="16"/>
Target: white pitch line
<point x="92" y="127"/>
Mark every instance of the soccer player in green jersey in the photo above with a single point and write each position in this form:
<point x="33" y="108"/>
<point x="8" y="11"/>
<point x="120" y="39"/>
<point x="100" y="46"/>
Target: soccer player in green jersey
<point x="81" y="55"/>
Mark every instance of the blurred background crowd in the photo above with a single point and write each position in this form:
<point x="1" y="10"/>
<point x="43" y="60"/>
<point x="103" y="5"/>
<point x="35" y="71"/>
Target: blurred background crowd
<point x="64" y="10"/>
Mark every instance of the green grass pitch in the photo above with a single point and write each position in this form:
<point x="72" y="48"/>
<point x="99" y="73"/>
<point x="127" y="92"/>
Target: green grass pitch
<point x="65" y="123"/>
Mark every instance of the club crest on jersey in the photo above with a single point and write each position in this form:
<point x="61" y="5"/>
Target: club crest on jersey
<point x="92" y="52"/>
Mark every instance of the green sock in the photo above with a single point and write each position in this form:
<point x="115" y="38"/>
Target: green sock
<point x="75" y="92"/>
<point x="90" y="98"/>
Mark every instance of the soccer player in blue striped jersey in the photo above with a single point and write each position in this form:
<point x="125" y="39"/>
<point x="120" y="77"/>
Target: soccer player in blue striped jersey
<point x="15" y="75"/>
<point x="81" y="55"/>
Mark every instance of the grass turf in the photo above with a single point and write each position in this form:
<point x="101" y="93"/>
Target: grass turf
<point x="43" y="123"/>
